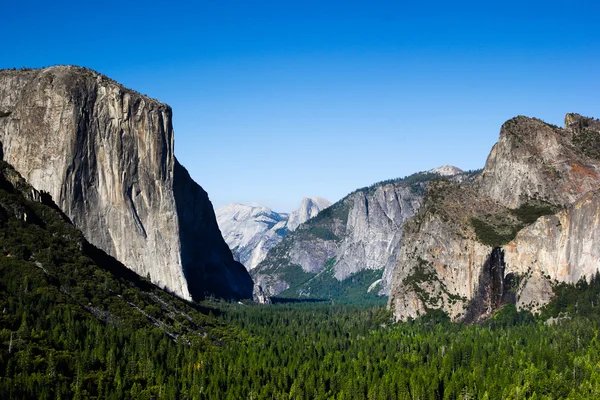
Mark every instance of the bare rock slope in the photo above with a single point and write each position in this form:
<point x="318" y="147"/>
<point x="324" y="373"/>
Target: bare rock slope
<point x="105" y="155"/>
<point x="536" y="160"/>
<point x="564" y="247"/>
<point x="445" y="262"/>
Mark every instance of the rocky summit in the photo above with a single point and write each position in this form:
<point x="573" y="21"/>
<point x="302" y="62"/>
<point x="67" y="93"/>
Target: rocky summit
<point x="105" y="155"/>
<point x="446" y="170"/>
<point x="251" y="231"/>
<point x="536" y="160"/>
<point x="526" y="224"/>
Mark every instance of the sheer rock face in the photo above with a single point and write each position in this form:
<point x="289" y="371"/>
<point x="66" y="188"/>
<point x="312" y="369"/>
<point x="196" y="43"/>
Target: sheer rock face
<point x="564" y="247"/>
<point x="374" y="230"/>
<point x="259" y="296"/>
<point x="207" y="261"/>
<point x="105" y="155"/>
<point x="535" y="160"/>
<point x="252" y="231"/>
<point x="560" y="166"/>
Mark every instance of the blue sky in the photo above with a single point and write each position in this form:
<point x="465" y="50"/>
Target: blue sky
<point x="276" y="100"/>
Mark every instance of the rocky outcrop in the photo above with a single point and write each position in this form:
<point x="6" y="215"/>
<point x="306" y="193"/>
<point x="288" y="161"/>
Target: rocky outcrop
<point x="536" y="160"/>
<point x="564" y="247"/>
<point x="374" y="229"/>
<point x="441" y="260"/>
<point x="259" y="296"/>
<point x="446" y="170"/>
<point x="252" y="231"/>
<point x="362" y="232"/>
<point x="309" y="207"/>
<point x="105" y="155"/>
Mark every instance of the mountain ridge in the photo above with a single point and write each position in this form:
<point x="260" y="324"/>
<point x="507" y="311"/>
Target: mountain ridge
<point x="359" y="234"/>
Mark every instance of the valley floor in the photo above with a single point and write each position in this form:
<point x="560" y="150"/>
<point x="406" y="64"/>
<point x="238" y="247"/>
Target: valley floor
<point x="320" y="351"/>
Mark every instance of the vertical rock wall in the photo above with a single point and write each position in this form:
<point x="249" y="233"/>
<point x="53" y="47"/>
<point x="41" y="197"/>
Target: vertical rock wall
<point x="105" y="155"/>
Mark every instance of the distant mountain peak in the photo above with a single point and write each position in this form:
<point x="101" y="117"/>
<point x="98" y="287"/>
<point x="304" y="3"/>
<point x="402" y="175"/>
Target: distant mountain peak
<point x="309" y="208"/>
<point x="251" y="231"/>
<point x="446" y="170"/>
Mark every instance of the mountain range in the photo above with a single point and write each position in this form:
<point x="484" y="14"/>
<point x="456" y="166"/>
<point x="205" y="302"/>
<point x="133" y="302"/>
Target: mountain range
<point x="465" y="243"/>
<point x="350" y="248"/>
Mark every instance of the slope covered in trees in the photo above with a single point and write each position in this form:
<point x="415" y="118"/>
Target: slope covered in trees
<point x="75" y="322"/>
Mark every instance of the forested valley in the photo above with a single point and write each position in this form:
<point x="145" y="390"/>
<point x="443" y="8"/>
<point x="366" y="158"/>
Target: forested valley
<point x="75" y="323"/>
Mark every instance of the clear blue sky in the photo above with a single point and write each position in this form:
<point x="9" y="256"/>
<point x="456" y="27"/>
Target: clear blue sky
<point x="276" y="100"/>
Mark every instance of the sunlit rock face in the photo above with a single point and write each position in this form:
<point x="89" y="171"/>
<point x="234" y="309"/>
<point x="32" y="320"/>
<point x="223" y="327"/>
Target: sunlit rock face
<point x="441" y="262"/>
<point x="536" y="160"/>
<point x="309" y="207"/>
<point x="564" y="247"/>
<point x="105" y="155"/>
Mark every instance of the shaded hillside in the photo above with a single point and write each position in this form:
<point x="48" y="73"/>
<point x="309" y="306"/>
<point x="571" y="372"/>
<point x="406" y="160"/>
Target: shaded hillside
<point x="75" y="321"/>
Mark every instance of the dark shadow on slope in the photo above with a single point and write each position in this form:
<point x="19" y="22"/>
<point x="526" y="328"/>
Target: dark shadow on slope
<point x="492" y="292"/>
<point x="120" y="271"/>
<point x="208" y="264"/>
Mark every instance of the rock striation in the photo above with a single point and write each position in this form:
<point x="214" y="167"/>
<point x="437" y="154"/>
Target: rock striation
<point x="105" y="155"/>
<point x="564" y="247"/>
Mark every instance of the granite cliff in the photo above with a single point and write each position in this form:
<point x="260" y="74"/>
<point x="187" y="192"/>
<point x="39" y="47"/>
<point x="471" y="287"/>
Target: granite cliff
<point x="563" y="247"/>
<point x="526" y="224"/>
<point x="309" y="207"/>
<point x="536" y="160"/>
<point x="104" y="153"/>
<point x="251" y="231"/>
<point x="446" y="246"/>
<point x="348" y="249"/>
